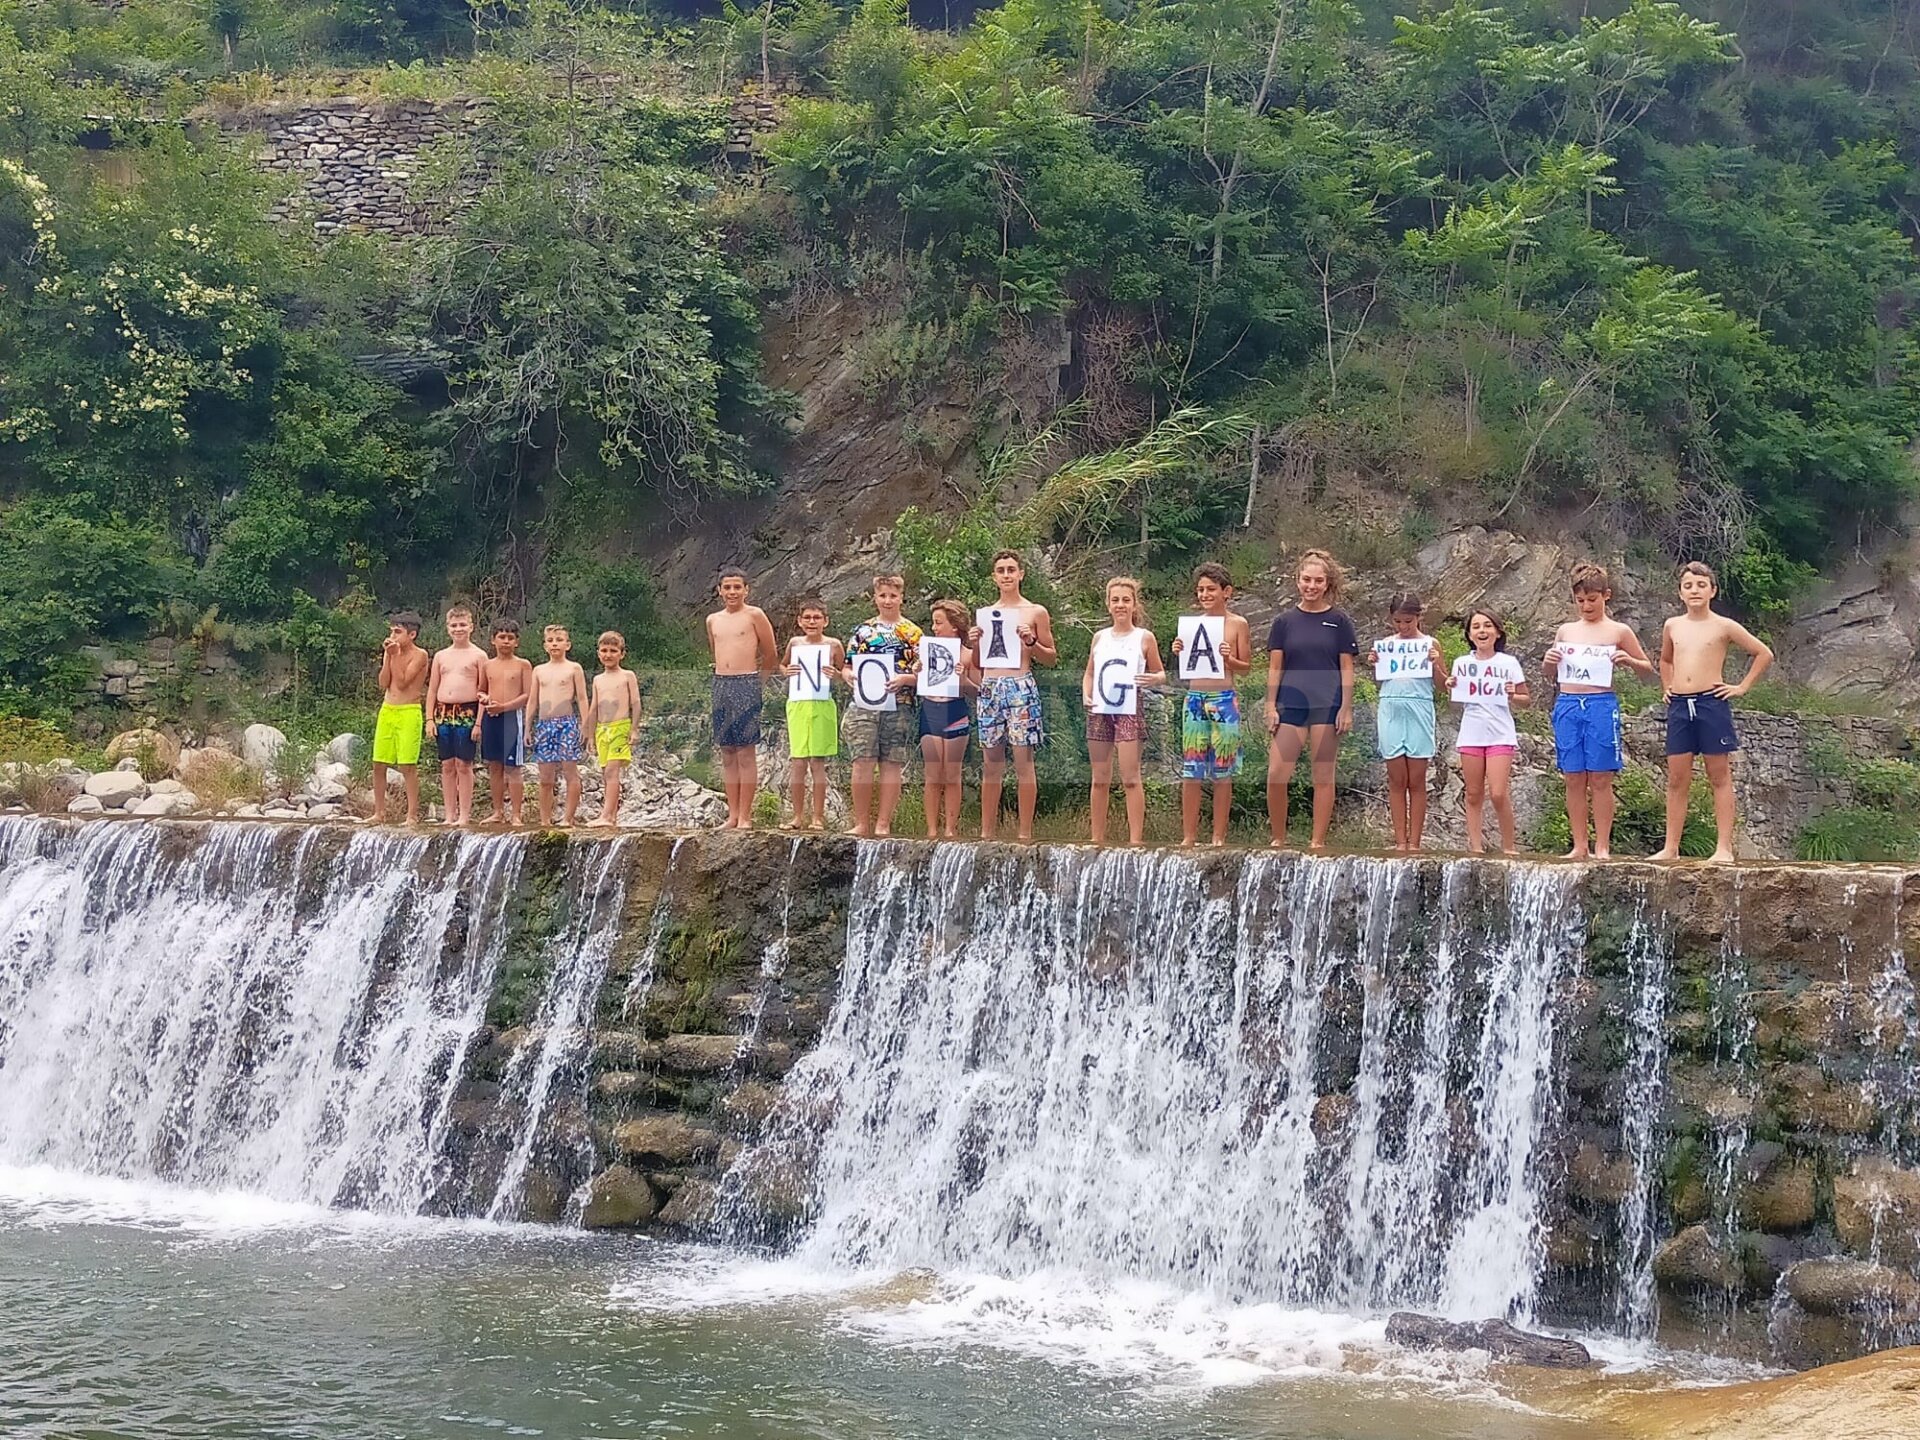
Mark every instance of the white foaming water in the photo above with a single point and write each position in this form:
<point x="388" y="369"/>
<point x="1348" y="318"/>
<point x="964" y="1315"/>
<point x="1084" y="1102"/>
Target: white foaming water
<point x="1649" y="959"/>
<point x="1119" y="1066"/>
<point x="577" y="956"/>
<point x="246" y="1008"/>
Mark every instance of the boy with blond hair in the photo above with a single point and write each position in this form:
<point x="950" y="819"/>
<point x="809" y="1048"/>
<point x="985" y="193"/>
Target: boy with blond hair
<point x="1693" y="675"/>
<point x="744" y="654"/>
<point x="1586" y="717"/>
<point x="614" y="715"/>
<point x="1009" y="712"/>
<point x="882" y="726"/>
<point x="556" y="713"/>
<point x="398" y="732"/>
<point x="455" y="691"/>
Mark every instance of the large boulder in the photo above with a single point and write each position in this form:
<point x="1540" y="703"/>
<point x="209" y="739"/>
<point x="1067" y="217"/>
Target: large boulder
<point x="85" y="805"/>
<point x="1496" y="1337"/>
<point x="114" y="789"/>
<point x="665" y="1136"/>
<point x="618" y="1198"/>
<point x="1876" y="1209"/>
<point x="153" y="751"/>
<point x="1781" y="1199"/>
<point x="1696" y="1260"/>
<point x="342" y="748"/>
<point x="178" y="802"/>
<point x="260" y="746"/>
<point x="1835" y="1285"/>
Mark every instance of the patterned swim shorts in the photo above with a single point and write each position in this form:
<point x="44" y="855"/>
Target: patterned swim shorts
<point x="1009" y="712"/>
<point x="556" y="741"/>
<point x="1210" y="735"/>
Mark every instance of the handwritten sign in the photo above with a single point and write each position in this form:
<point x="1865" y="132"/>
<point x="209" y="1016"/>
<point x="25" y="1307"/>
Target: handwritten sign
<point x="873" y="683"/>
<point x="1397" y="659"/>
<point x="1203" y="647"/>
<point x="1480" y="682"/>
<point x="1116" y="666"/>
<point x="939" y="668"/>
<point x="1587" y="665"/>
<point x="1000" y="645"/>
<point x="812" y="682"/>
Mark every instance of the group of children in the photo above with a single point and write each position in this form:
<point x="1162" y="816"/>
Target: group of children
<point x="930" y="690"/>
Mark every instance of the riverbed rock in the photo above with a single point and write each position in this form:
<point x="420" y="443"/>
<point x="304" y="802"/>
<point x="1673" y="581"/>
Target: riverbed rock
<point x="213" y="771"/>
<point x="664" y="1136"/>
<point x="179" y="802"/>
<point x="342" y="748"/>
<point x="691" y="1206"/>
<point x="618" y="1198"/>
<point x="1781" y="1200"/>
<point x="1836" y="1285"/>
<point x="154" y="751"/>
<point x="1696" y="1259"/>
<point x="700" y="1054"/>
<point x="85" y="805"/>
<point x="115" y="788"/>
<point x="260" y="746"/>
<point x="1497" y="1337"/>
<point x="1876" y="1210"/>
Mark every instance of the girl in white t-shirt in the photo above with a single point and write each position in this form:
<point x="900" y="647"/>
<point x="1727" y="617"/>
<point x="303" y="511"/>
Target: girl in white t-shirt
<point x="1487" y="684"/>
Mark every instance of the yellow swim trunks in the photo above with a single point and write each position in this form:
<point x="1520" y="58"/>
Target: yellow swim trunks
<point x="613" y="742"/>
<point x="397" y="734"/>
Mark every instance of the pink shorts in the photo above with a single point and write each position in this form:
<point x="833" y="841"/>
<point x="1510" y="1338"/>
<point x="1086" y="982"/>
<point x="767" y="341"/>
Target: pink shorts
<point x="1485" y="750"/>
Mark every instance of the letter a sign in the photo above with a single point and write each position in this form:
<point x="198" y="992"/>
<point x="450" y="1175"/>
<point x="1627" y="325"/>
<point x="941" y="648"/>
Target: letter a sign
<point x="1202" y="647"/>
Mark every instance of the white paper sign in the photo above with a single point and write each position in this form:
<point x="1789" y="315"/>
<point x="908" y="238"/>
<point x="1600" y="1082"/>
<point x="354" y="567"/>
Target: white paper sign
<point x="1482" y="682"/>
<point x="873" y="683"/>
<point x="939" y="668"/>
<point x="1587" y="665"/>
<point x="1116" y="670"/>
<point x="812" y="682"/>
<point x="1000" y="644"/>
<point x="1203" y="647"/>
<point x="1397" y="659"/>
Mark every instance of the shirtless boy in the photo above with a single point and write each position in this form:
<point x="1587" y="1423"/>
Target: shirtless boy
<point x="507" y="683"/>
<point x="1009" y="713"/>
<point x="555" y="714"/>
<point x="454" y="696"/>
<point x="1693" y="673"/>
<point x="399" y="730"/>
<point x="614" y="714"/>
<point x="744" y="654"/>
<point x="1586" y="717"/>
<point x="1210" y="718"/>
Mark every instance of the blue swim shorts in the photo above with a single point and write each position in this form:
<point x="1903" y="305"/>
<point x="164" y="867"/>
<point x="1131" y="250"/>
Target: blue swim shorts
<point x="1700" y="725"/>
<point x="1586" y="734"/>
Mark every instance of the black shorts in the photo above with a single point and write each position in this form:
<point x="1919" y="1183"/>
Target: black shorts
<point x="500" y="738"/>
<point x="736" y="710"/>
<point x="1700" y="725"/>
<point x="945" y="719"/>
<point x="1303" y="708"/>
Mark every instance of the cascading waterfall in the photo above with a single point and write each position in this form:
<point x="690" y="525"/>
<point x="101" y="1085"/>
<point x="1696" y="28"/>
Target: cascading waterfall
<point x="1328" y="1084"/>
<point x="250" y="1008"/>
<point x="577" y="956"/>
<point x="1648" y="957"/>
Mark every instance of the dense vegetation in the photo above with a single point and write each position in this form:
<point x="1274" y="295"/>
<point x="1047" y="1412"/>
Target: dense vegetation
<point x="1505" y="260"/>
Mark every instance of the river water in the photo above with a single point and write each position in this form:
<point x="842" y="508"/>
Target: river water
<point x="140" y="1311"/>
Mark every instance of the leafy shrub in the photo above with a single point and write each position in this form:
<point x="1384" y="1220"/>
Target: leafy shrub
<point x="1856" y="834"/>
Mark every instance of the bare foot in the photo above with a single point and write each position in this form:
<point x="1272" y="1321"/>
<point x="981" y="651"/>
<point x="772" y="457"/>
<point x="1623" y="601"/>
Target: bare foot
<point x="491" y="820"/>
<point x="1603" y="855"/>
<point x="1577" y="853"/>
<point x="379" y="817"/>
<point x="818" y="826"/>
<point x="881" y="832"/>
<point x="1278" y="845"/>
<point x="1721" y="857"/>
<point x="1666" y="852"/>
<point x="1186" y="844"/>
<point x="860" y="832"/>
<point x="1317" y="847"/>
<point x="1509" y="853"/>
<point x="605" y="822"/>
<point x="1026" y="838"/>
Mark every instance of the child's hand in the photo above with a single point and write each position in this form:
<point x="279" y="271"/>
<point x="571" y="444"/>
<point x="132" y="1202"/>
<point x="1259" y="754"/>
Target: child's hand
<point x="1343" y="722"/>
<point x="789" y="670"/>
<point x="974" y="632"/>
<point x="1178" y="644"/>
<point x="1026" y="633"/>
<point x="1725" y="691"/>
<point x="1553" y="656"/>
<point x="901" y="682"/>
